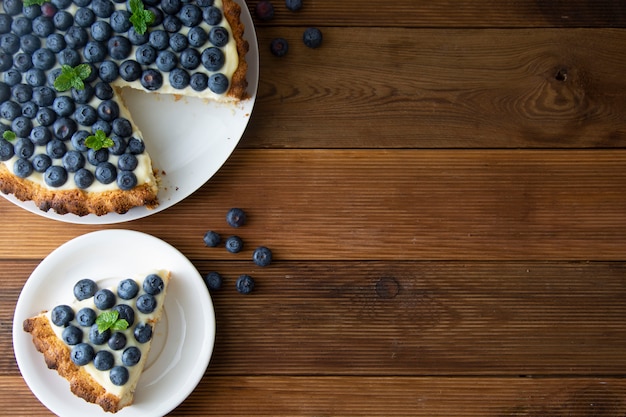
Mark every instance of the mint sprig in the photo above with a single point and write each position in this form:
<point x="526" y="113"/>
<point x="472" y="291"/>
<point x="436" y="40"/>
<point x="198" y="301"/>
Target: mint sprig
<point x="140" y="17"/>
<point x="72" y="77"/>
<point x="98" y="141"/>
<point x="28" y="3"/>
<point x="9" y="135"/>
<point x="111" y="320"/>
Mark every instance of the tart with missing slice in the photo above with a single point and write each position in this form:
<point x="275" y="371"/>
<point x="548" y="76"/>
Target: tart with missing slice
<point x="100" y="341"/>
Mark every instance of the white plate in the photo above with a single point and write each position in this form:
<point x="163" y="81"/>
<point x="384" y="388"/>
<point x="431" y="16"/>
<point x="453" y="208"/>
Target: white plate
<point x="209" y="131"/>
<point x="183" y="340"/>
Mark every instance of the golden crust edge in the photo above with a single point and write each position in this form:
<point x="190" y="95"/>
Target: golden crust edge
<point x="239" y="83"/>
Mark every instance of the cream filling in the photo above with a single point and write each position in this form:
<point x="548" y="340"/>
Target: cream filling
<point x="102" y="377"/>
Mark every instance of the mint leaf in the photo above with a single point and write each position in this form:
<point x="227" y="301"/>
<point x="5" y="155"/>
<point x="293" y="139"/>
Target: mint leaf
<point x="120" y="324"/>
<point x="140" y="17"/>
<point x="98" y="141"/>
<point x="72" y="77"/>
<point x="28" y="3"/>
<point x="9" y="135"/>
<point x="106" y="320"/>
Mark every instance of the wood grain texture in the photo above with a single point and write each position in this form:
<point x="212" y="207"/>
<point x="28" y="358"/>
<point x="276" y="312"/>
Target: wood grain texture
<point x="453" y="88"/>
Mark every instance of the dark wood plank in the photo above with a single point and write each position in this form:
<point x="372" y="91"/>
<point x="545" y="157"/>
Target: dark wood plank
<point x="445" y="14"/>
<point x="410" y="88"/>
<point x="393" y="205"/>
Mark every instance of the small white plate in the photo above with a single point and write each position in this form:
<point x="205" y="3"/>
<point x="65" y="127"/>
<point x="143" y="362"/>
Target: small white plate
<point x="183" y="339"/>
<point x="188" y="139"/>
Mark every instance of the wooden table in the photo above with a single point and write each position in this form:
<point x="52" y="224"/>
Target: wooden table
<point x="443" y="185"/>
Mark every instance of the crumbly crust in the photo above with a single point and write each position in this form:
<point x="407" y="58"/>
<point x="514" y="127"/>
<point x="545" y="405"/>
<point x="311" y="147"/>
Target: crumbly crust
<point x="57" y="357"/>
<point x="77" y="201"/>
<point x="239" y="84"/>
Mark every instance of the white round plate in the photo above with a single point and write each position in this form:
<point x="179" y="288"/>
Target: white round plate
<point x="188" y="139"/>
<point x="183" y="339"/>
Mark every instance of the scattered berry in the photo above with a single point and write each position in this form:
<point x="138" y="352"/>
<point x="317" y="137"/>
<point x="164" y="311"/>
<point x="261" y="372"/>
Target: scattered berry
<point x="293" y="5"/>
<point x="234" y="244"/>
<point x="264" y="10"/>
<point x="279" y="47"/>
<point x="212" y="239"/>
<point x="245" y="284"/>
<point x="236" y="217"/>
<point x="312" y="37"/>
<point x="262" y="256"/>
<point x="213" y="280"/>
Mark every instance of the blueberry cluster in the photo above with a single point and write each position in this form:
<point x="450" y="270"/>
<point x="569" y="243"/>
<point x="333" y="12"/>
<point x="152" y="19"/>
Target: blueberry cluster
<point x="89" y="341"/>
<point x="49" y="127"/>
<point x="261" y="256"/>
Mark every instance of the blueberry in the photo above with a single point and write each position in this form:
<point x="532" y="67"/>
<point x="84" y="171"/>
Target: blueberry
<point x="199" y="81"/>
<point x="30" y="109"/>
<point x="6" y="61"/>
<point x="85" y="115"/>
<point x="22" y="126"/>
<point x="119" y="47"/>
<point x="233" y="244"/>
<point x="293" y="5"/>
<point x="126" y="180"/>
<point x="159" y="39"/>
<point x="120" y="21"/>
<point x="55" y="176"/>
<point x="135" y="146"/>
<point x="46" y="116"/>
<point x="130" y="70"/>
<point x="179" y="78"/>
<point x="236" y="217"/>
<point x="118" y="375"/>
<point x="35" y="77"/>
<point x="108" y="110"/>
<point x="22" y="94"/>
<point x="63" y="106"/>
<point x="218" y="36"/>
<point x="24" y="148"/>
<point x="62" y="4"/>
<point x="213" y="59"/>
<point x="119" y="145"/>
<point x="10" y="110"/>
<point x="262" y="256"/>
<point x="52" y="76"/>
<point x="62" y="20"/>
<point x="73" y="161"/>
<point x="212" y="15"/>
<point x="22" y="62"/>
<point x="72" y="335"/>
<point x="30" y="43"/>
<point x="84" y="17"/>
<point x="171" y="6"/>
<point x="166" y="61"/>
<point x="127" y="162"/>
<point x="83" y="96"/>
<point x="264" y="10"/>
<point x="21" y="26"/>
<point x="86" y="317"/>
<point x="94" y="51"/>
<point x="10" y="43"/>
<point x="78" y="140"/>
<point x="178" y="42"/>
<point x="32" y="12"/>
<point x="82" y="354"/>
<point x="43" y="59"/>
<point x="213" y="280"/>
<point x="5" y="23"/>
<point x="142" y="332"/>
<point x="104" y="299"/>
<point x="101" y="31"/>
<point x="190" y="15"/>
<point x="131" y="356"/>
<point x="145" y="54"/>
<point x="103" y="8"/>
<point x="69" y="57"/>
<point x="22" y="168"/>
<point x="104" y="360"/>
<point x="12" y="7"/>
<point x="61" y="315"/>
<point x="48" y="9"/>
<point x="212" y="239"/>
<point x="146" y="303"/>
<point x="245" y="284"/>
<point x="197" y="37"/>
<point x="279" y="47"/>
<point x="103" y="91"/>
<point x="108" y="71"/>
<point x="56" y="42"/>
<point x="12" y="77"/>
<point x="190" y="58"/>
<point x="106" y="172"/>
<point x="41" y="162"/>
<point x="127" y="289"/>
<point x="153" y="284"/>
<point x="40" y="135"/>
<point x="82" y="3"/>
<point x="117" y="341"/>
<point x="43" y="96"/>
<point x="83" y="178"/>
<point x="56" y="149"/>
<point x="85" y="288"/>
<point x="6" y="150"/>
<point x="63" y="128"/>
<point x="5" y="92"/>
<point x="151" y="79"/>
<point x="136" y="38"/>
<point x="312" y="37"/>
<point x="172" y="24"/>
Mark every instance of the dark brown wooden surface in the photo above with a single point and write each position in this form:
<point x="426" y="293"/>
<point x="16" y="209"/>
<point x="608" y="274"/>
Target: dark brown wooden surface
<point x="443" y="187"/>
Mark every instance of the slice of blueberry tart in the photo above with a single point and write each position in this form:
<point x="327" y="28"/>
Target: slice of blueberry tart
<point x="100" y="341"/>
<point x="68" y="142"/>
